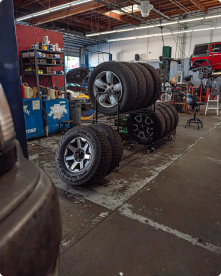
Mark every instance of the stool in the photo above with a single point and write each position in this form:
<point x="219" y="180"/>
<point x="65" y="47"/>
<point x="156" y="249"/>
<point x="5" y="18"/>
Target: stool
<point x="192" y="102"/>
<point x="213" y="101"/>
<point x="64" y="124"/>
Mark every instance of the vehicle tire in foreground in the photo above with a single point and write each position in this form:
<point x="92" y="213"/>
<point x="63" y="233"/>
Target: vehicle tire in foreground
<point x="83" y="156"/>
<point x="115" y="142"/>
<point x="116" y="78"/>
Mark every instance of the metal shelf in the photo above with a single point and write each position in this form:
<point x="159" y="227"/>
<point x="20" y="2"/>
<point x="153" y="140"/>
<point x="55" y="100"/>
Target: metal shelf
<point x="42" y="50"/>
<point x="28" y="73"/>
<point x="44" y="64"/>
<point x="42" y="58"/>
<point x="33" y="62"/>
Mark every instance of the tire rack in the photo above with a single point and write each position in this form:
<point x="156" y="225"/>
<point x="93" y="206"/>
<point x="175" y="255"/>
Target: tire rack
<point x="116" y="121"/>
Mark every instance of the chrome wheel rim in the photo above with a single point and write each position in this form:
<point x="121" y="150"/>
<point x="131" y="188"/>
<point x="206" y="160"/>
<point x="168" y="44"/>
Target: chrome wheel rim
<point x="107" y="82"/>
<point x="77" y="155"/>
<point x="142" y="126"/>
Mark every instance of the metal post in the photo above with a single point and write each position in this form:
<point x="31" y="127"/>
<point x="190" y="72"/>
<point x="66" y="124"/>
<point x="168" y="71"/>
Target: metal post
<point x="9" y="70"/>
<point x="86" y="58"/>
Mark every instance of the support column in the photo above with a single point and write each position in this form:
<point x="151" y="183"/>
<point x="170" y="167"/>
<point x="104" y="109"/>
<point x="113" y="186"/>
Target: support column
<point x="10" y="72"/>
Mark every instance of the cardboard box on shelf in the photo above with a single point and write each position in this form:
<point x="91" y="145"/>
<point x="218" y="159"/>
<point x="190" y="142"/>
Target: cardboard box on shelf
<point x="35" y="92"/>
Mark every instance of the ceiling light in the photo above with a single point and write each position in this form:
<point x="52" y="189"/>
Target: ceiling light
<point x="145" y="27"/>
<point x="213" y="16"/>
<point x="160" y="34"/>
<point x="145" y="8"/>
<point x="169" y="23"/>
<point x="53" y="9"/>
<point x="192" y="19"/>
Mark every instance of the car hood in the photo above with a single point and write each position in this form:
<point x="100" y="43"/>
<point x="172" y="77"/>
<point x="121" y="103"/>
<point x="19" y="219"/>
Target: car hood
<point x="77" y="75"/>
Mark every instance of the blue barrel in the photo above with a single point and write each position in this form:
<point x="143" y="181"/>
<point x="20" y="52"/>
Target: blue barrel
<point x="55" y="112"/>
<point x="33" y="118"/>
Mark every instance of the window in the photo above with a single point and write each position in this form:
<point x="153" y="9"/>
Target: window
<point x="71" y="63"/>
<point x="216" y="48"/>
<point x="201" y="49"/>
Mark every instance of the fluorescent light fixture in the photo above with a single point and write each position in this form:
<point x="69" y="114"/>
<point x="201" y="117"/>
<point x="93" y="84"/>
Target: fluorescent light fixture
<point x="25" y="17"/>
<point x="126" y="30"/>
<point x="158" y="25"/>
<point x="53" y="9"/>
<point x="192" y="19"/>
<point x="40" y="13"/>
<point x="145" y="27"/>
<point x="166" y="24"/>
<point x="160" y="34"/>
<point x="213" y="16"/>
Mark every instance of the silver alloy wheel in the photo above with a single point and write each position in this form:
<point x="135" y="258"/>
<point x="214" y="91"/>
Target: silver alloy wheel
<point x="77" y="154"/>
<point x="108" y="81"/>
<point x="142" y="126"/>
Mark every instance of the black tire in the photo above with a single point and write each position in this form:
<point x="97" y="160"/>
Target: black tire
<point x="176" y="115"/>
<point x="141" y="128"/>
<point x="134" y="84"/>
<point x="126" y="78"/>
<point x="160" y="126"/>
<point x="100" y="158"/>
<point x="149" y="86"/>
<point x="171" y="115"/>
<point x="115" y="142"/>
<point x="141" y="83"/>
<point x="166" y="118"/>
<point x="157" y="82"/>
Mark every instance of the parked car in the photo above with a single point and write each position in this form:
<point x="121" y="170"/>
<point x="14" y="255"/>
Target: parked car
<point x="206" y="55"/>
<point x="30" y="225"/>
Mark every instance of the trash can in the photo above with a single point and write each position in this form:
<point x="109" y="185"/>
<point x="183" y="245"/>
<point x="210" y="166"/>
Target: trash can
<point x="75" y="112"/>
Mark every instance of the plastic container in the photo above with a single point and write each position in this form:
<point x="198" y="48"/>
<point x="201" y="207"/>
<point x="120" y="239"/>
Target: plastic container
<point x="75" y="112"/>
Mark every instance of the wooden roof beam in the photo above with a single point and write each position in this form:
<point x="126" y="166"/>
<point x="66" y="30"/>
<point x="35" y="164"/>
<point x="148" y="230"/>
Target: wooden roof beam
<point x="64" y="13"/>
<point x="199" y="5"/>
<point x="121" y="18"/>
<point x="84" y="25"/>
<point x="92" y="24"/>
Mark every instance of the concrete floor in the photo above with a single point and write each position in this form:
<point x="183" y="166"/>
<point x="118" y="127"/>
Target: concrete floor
<point x="159" y="215"/>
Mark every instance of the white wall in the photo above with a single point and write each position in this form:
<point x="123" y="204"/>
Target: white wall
<point x="150" y="49"/>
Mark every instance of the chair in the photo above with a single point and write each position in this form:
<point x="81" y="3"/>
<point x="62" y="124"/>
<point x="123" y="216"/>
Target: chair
<point x="192" y="102"/>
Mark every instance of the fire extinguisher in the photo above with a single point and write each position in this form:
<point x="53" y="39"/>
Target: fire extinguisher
<point x="23" y="91"/>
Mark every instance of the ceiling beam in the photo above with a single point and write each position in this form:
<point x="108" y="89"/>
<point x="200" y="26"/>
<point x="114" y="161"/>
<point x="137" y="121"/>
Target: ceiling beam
<point x="79" y="21"/>
<point x="64" y="13"/>
<point x="78" y="25"/>
<point x="199" y="5"/>
<point x="121" y="18"/>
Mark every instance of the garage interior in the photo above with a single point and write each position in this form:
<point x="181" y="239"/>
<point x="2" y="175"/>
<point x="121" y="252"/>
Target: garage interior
<point x="83" y="64"/>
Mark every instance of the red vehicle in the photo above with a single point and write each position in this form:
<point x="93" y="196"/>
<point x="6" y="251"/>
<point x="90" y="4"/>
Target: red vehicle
<point x="206" y="55"/>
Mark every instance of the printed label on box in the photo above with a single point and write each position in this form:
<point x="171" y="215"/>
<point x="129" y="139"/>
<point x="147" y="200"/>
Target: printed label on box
<point x="36" y="105"/>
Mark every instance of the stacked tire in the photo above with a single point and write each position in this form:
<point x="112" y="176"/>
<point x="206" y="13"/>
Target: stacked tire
<point x="146" y="129"/>
<point x="85" y="155"/>
<point x="132" y="86"/>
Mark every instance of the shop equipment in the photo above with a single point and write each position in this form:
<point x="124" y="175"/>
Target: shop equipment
<point x="194" y="104"/>
<point x="55" y="112"/>
<point x="33" y="118"/>
<point x="39" y="60"/>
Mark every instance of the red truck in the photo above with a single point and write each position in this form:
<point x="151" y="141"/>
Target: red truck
<point x="206" y="55"/>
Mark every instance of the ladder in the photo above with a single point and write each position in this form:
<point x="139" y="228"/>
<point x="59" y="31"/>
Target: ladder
<point x="212" y="100"/>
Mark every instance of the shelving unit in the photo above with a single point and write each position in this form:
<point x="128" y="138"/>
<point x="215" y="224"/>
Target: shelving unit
<point x="34" y="64"/>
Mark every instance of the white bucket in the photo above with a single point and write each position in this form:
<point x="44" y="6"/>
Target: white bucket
<point x="28" y="92"/>
<point x="51" y="93"/>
